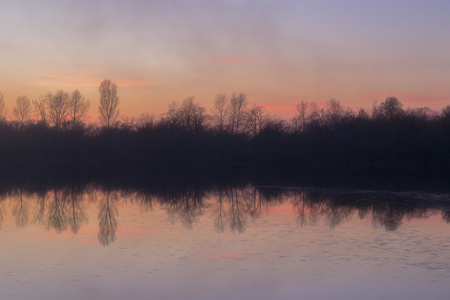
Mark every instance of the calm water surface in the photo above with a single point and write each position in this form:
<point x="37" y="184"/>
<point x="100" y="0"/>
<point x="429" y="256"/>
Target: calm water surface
<point x="231" y="243"/>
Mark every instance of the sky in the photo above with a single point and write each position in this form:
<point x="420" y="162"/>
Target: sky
<point x="276" y="52"/>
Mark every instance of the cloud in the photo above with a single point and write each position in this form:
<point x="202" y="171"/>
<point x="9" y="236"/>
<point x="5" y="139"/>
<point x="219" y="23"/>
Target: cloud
<point x="64" y="80"/>
<point x="227" y="60"/>
<point x="86" y="78"/>
<point x="136" y="83"/>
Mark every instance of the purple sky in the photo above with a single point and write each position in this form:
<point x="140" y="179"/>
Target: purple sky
<point x="277" y="52"/>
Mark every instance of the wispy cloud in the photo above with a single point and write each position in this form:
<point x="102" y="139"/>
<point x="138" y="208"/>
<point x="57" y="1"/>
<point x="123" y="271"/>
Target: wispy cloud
<point x="47" y="79"/>
<point x="136" y="83"/>
<point x="227" y="60"/>
<point x="86" y="78"/>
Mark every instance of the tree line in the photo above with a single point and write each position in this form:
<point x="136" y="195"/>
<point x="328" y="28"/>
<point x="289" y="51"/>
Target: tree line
<point x="231" y="133"/>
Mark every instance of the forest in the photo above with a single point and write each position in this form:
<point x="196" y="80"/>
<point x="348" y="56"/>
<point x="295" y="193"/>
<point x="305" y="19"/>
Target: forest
<point x="53" y="130"/>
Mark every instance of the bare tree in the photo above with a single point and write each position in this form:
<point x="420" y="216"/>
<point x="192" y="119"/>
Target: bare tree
<point x="316" y="115"/>
<point x="220" y="112"/>
<point x="57" y="108"/>
<point x="301" y="119"/>
<point x="2" y="108"/>
<point x="421" y="113"/>
<point x="77" y="109"/>
<point x="170" y="118"/>
<point x="362" y="114"/>
<point x="391" y="108"/>
<point x="109" y="103"/>
<point x="145" y="121"/>
<point x="22" y="109"/>
<point x="238" y="106"/>
<point x="256" y="119"/>
<point x="446" y="112"/>
<point x="191" y="116"/>
<point x="335" y="111"/>
<point x="40" y="108"/>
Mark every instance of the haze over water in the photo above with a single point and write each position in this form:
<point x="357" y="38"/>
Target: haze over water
<point x="247" y="242"/>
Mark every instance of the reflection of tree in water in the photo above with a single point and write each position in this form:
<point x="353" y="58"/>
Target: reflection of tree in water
<point x="310" y="204"/>
<point x="186" y="205"/>
<point x="305" y="208"/>
<point x="219" y="220"/>
<point x="39" y="216"/>
<point x="57" y="212"/>
<point x="2" y="198"/>
<point x="232" y="206"/>
<point x="20" y="209"/>
<point x="1" y="214"/>
<point x="253" y="203"/>
<point x="60" y="209"/>
<point x="237" y="220"/>
<point x="446" y="215"/>
<point x="143" y="198"/>
<point x="226" y="210"/>
<point x="234" y="203"/>
<point x="76" y="216"/>
<point x="107" y="221"/>
<point x="387" y="209"/>
<point x="336" y="214"/>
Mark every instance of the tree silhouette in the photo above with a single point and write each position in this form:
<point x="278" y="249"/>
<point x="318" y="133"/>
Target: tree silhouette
<point x="2" y="108"/>
<point x="22" y="110"/>
<point x="109" y="103"/>
<point x="192" y="116"/>
<point x="237" y="108"/>
<point x="391" y="108"/>
<point x="40" y="108"/>
<point x="77" y="109"/>
<point x="446" y="112"/>
<point x="220" y="112"/>
<point x="301" y="119"/>
<point x="256" y="119"/>
<point x="57" y="108"/>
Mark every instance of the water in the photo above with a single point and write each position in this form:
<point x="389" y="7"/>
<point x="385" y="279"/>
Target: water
<point x="223" y="243"/>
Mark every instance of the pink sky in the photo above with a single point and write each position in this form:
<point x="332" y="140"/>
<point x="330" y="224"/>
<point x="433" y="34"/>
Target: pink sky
<point x="277" y="53"/>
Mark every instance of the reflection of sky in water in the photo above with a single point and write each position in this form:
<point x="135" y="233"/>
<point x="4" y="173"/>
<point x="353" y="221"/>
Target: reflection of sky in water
<point x="170" y="252"/>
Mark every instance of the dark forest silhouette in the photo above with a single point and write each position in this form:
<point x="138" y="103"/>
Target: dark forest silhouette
<point x="233" y="134"/>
